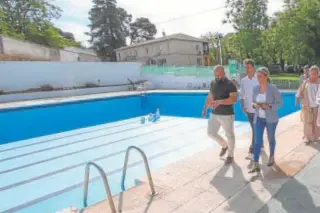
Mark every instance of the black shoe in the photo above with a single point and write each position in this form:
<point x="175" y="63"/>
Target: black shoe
<point x="256" y="168"/>
<point x="228" y="161"/>
<point x="308" y="143"/>
<point x="223" y="151"/>
<point x="270" y="162"/>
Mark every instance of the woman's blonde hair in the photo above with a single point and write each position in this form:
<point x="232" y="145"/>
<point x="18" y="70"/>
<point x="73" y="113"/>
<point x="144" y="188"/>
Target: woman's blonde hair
<point x="315" y="68"/>
<point x="266" y="72"/>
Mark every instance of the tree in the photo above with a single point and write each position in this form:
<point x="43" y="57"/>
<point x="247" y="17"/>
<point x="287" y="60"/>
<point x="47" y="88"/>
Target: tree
<point x="214" y="47"/>
<point x="108" y="28"/>
<point x="249" y="19"/>
<point x="20" y="14"/>
<point x="289" y="4"/>
<point x="247" y="14"/>
<point x="31" y="20"/>
<point x="67" y="35"/>
<point x="298" y="30"/>
<point x="141" y="30"/>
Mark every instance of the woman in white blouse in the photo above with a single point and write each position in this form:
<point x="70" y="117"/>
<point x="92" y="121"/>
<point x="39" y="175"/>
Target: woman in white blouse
<point x="308" y="93"/>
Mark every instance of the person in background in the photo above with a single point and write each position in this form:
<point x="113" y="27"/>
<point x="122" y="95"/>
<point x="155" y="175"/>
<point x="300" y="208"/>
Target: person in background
<point x="308" y="93"/>
<point x="222" y="95"/>
<point x="246" y="87"/>
<point x="305" y="74"/>
<point x="266" y="102"/>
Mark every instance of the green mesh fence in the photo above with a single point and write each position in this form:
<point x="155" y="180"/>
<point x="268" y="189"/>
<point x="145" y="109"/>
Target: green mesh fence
<point x="180" y="70"/>
<point x="230" y="69"/>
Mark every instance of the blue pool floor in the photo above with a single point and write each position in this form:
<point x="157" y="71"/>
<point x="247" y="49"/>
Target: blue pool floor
<point x="46" y="174"/>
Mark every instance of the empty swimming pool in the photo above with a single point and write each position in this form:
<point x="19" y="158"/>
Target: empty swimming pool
<point x="44" y="148"/>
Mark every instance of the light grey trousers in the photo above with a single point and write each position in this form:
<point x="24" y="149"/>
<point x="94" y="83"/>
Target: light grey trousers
<point x="226" y="122"/>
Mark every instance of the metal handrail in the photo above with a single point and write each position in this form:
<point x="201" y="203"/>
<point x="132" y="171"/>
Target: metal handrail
<point x="105" y="183"/>
<point x="145" y="160"/>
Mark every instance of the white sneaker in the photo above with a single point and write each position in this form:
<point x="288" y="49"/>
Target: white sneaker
<point x="249" y="157"/>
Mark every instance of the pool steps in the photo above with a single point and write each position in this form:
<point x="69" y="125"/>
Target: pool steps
<point x="124" y="172"/>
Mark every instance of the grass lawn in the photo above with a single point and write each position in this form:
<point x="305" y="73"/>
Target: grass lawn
<point x="285" y="76"/>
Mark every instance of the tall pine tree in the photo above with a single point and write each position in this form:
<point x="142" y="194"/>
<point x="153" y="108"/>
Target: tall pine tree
<point x="109" y="28"/>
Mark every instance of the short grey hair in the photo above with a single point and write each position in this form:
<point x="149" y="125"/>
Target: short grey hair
<point x="315" y="68"/>
<point x="217" y="67"/>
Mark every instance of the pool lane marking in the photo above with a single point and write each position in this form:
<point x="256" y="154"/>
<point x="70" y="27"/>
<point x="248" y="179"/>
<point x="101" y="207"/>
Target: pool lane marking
<point x="73" y="142"/>
<point x="86" y="149"/>
<point x="54" y="194"/>
<point x="95" y="159"/>
<point x="43" y="198"/>
<point x="62" y="137"/>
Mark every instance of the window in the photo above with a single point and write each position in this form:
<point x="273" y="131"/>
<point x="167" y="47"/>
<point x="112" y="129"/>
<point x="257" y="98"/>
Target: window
<point x="119" y="57"/>
<point x="199" y="61"/>
<point x="197" y="47"/>
<point x="147" y="50"/>
<point x="135" y="53"/>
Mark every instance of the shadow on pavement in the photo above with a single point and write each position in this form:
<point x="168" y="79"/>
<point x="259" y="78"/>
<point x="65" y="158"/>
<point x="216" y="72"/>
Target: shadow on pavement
<point x="237" y="203"/>
<point x="297" y="195"/>
<point x="292" y="197"/>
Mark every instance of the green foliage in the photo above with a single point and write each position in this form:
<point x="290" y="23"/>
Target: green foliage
<point x="108" y="28"/>
<point x="111" y="26"/>
<point x="141" y="30"/>
<point x="249" y="19"/>
<point x="291" y="36"/>
<point x="31" y="20"/>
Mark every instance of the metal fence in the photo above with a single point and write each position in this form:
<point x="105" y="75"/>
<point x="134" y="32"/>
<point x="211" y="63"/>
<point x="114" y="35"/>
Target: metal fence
<point x="286" y="84"/>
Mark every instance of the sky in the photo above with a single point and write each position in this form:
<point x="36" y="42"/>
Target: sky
<point x="201" y="16"/>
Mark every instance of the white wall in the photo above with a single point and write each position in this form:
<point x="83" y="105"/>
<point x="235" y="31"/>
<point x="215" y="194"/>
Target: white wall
<point x="80" y="50"/>
<point x="62" y="93"/>
<point x="176" y="82"/>
<point x="13" y="46"/>
<point x="16" y="76"/>
<point x="68" y="56"/>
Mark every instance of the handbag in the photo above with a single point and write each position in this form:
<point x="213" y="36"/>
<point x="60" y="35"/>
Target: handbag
<point x="306" y="115"/>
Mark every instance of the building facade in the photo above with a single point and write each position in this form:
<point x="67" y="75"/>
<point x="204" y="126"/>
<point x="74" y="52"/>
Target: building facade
<point x="177" y="49"/>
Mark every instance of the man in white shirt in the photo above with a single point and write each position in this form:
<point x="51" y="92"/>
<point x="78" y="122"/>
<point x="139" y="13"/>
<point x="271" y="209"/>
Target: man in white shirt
<point x="246" y="87"/>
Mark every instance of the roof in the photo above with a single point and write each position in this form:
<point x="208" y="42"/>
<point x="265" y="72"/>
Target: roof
<point x="178" y="36"/>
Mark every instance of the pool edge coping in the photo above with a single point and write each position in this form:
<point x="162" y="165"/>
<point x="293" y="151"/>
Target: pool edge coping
<point x="59" y="101"/>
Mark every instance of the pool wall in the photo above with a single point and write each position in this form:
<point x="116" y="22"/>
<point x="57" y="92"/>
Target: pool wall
<point x="184" y="104"/>
<point x="29" y="122"/>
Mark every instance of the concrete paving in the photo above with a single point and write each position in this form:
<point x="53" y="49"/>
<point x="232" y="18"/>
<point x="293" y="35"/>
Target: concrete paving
<point x="202" y="184"/>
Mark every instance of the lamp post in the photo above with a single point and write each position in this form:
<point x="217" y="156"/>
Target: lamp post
<point x="219" y="36"/>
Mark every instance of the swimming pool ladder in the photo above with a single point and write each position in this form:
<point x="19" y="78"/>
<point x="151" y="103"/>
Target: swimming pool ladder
<point x="146" y="164"/>
<point x="105" y="183"/>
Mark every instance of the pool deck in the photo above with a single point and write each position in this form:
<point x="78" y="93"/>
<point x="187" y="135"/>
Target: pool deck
<point x="202" y="184"/>
<point x="58" y="100"/>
